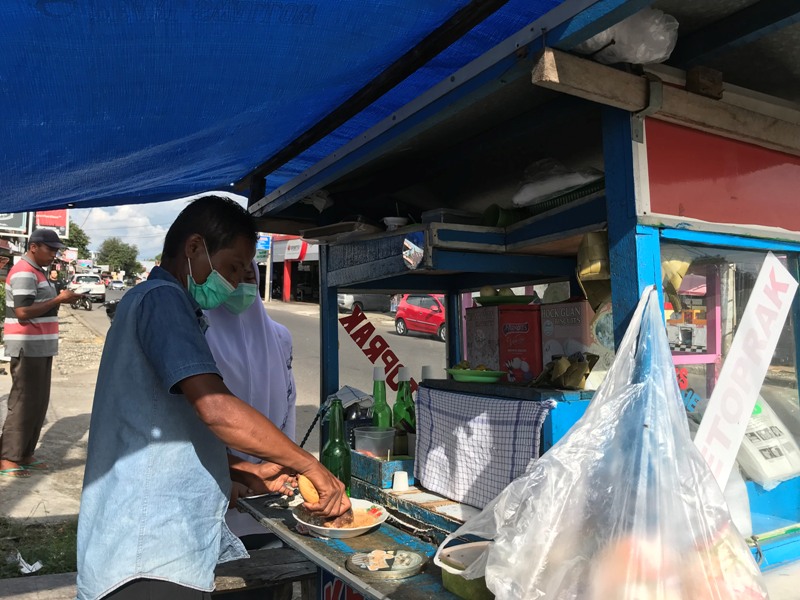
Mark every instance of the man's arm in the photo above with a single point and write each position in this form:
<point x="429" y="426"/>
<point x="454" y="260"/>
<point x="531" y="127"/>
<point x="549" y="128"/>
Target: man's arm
<point x="33" y="310"/>
<point x="245" y="429"/>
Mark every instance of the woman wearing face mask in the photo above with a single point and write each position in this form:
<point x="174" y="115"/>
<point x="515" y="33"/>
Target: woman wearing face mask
<point x="254" y="356"/>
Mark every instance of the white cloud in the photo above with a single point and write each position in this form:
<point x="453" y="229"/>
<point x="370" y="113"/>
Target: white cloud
<point x="144" y="225"/>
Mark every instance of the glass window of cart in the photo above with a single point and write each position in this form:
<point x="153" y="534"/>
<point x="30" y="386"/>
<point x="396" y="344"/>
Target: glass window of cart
<point x="705" y="294"/>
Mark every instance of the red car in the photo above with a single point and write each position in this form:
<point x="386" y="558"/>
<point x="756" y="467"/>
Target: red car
<point x="423" y="313"/>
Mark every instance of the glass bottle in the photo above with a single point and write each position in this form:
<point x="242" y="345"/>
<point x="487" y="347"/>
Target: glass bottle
<point x="336" y="453"/>
<point x="405" y="419"/>
<point x="381" y="413"/>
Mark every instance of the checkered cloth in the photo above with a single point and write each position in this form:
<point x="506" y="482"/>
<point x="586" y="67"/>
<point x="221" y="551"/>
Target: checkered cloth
<point x="688" y="348"/>
<point x="469" y="448"/>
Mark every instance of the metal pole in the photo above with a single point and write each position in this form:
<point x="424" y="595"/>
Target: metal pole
<point x="268" y="277"/>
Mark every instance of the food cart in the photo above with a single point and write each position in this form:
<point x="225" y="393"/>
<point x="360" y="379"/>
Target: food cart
<point x="694" y="171"/>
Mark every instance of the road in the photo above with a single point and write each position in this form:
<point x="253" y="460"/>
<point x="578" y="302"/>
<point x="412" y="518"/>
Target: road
<point x="355" y="369"/>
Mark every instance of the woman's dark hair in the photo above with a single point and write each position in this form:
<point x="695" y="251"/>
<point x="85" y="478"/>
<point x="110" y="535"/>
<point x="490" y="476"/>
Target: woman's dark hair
<point x="219" y="220"/>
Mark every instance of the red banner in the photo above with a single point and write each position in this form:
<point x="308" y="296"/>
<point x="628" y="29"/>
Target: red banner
<point x="57" y="220"/>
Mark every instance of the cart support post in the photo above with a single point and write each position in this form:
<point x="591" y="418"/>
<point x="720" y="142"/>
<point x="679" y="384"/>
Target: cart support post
<point x="634" y="251"/>
<point x="329" y="333"/>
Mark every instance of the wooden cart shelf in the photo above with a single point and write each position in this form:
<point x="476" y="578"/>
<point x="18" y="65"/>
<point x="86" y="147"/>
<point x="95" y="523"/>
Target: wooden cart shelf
<point x="460" y="257"/>
<point x="331" y="554"/>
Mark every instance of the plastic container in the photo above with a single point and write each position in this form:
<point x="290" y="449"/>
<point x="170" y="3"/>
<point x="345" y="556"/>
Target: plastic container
<point x="459" y="558"/>
<point x="377" y="441"/>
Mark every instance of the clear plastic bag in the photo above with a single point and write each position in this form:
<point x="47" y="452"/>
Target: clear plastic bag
<point x="546" y="178"/>
<point x="647" y="37"/>
<point x="624" y="506"/>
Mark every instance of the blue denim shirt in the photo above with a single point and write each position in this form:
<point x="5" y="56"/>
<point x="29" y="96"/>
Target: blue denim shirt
<point x="157" y="484"/>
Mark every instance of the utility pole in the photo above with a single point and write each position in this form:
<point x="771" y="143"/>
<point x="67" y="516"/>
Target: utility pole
<point x="268" y="277"/>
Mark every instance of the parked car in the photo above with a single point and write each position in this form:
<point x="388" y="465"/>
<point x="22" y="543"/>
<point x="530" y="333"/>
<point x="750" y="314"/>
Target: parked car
<point x="423" y="313"/>
<point x="374" y="302"/>
<point x="89" y="284"/>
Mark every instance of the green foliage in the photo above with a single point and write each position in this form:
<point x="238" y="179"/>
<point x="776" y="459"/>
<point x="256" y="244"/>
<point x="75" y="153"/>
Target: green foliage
<point x="78" y="239"/>
<point x="119" y="256"/>
<point x="55" y="544"/>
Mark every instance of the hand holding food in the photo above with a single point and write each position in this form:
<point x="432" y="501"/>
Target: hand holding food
<point x="331" y="499"/>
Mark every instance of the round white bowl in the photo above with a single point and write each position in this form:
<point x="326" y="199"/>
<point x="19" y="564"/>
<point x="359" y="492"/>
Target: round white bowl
<point x="343" y="533"/>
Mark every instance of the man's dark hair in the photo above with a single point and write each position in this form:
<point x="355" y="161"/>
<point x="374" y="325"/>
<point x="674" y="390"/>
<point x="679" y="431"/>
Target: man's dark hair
<point x="219" y="220"/>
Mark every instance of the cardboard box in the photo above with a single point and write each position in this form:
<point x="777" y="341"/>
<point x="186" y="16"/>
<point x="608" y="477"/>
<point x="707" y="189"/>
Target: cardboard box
<point x="506" y="338"/>
<point x="380" y="472"/>
<point x="570" y="327"/>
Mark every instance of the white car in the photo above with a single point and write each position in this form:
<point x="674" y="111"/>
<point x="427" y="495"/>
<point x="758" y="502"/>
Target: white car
<point x="372" y="302"/>
<point x="89" y="284"/>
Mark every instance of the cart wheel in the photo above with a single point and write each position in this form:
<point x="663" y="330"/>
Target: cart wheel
<point x="442" y="334"/>
<point x="357" y="304"/>
<point x="400" y="327"/>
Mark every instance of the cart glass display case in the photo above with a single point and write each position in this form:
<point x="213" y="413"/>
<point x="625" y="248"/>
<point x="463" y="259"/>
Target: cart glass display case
<point x="706" y="290"/>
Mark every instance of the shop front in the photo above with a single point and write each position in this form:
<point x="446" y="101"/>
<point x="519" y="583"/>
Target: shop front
<point x="295" y="273"/>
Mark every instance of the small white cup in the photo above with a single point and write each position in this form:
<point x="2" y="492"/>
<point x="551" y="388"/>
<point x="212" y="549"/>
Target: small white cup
<point x="428" y="372"/>
<point x="400" y="481"/>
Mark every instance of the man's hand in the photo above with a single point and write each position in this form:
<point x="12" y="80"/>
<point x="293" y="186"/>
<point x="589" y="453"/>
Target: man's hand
<point x="67" y="296"/>
<point x="238" y="490"/>
<point x="276" y="479"/>
<point x="263" y="478"/>
<point x="333" y="500"/>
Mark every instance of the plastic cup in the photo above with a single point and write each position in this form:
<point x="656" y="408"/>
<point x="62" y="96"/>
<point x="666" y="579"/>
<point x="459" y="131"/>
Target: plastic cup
<point x="377" y="441"/>
<point x="400" y="481"/>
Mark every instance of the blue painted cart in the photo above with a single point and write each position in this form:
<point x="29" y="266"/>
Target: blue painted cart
<point x="685" y="170"/>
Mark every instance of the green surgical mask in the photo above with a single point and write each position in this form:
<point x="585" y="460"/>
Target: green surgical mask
<point x="214" y="291"/>
<point x="242" y="298"/>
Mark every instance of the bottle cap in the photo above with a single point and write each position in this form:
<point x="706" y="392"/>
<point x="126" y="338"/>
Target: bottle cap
<point x="378" y="374"/>
<point x="403" y="374"/>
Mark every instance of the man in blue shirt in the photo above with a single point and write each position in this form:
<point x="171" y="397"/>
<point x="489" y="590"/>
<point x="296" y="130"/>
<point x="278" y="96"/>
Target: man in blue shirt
<point x="157" y="483"/>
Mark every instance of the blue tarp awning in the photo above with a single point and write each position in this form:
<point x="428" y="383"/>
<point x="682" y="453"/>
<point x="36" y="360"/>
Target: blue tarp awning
<point x="124" y="101"/>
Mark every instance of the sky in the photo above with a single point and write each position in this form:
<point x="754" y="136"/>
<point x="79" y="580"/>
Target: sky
<point x="143" y="225"/>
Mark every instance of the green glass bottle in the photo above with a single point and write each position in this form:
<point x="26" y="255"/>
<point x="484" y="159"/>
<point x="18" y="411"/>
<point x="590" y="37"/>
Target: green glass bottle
<point x="381" y="413"/>
<point x="405" y="419"/>
<point x="336" y="453"/>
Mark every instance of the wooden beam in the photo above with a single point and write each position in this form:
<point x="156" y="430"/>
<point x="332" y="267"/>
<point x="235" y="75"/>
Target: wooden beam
<point x="592" y="81"/>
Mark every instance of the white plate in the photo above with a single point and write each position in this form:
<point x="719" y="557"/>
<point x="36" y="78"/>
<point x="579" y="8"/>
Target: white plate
<point x="343" y="533"/>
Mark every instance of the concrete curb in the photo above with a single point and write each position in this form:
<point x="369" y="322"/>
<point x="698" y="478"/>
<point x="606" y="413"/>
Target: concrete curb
<point x="40" y="587"/>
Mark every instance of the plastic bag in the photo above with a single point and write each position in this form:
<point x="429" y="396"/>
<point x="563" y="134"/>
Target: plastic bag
<point x="647" y="37"/>
<point x="624" y="506"/>
<point x="547" y="178"/>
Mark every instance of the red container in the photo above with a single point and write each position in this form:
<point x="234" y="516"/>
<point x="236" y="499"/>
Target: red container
<point x="506" y="338"/>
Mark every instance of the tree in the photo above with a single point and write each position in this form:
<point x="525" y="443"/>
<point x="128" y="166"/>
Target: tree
<point x="78" y="239"/>
<point x="119" y="256"/>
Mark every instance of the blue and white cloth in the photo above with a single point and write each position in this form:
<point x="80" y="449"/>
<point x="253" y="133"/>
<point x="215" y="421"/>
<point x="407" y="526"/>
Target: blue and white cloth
<point x="469" y="448"/>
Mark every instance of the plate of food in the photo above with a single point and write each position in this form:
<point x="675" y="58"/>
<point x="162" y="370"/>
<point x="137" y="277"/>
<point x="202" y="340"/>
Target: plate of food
<point x="366" y="517"/>
<point x="476" y="375"/>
